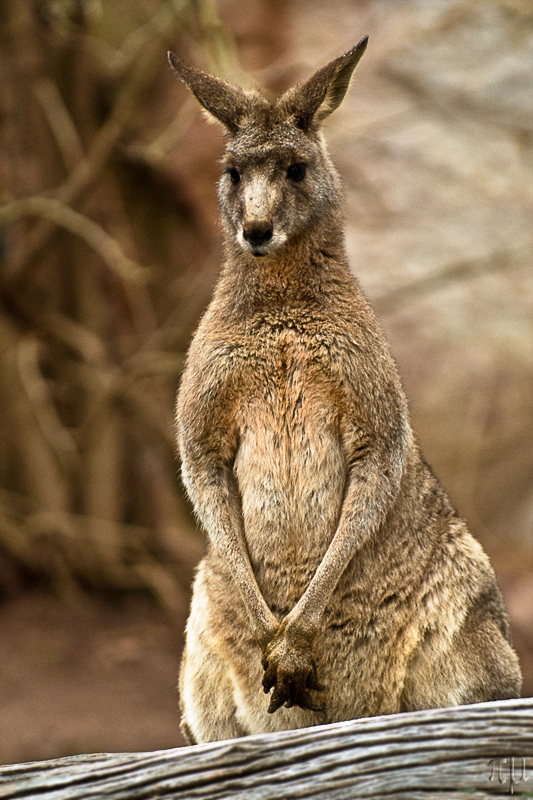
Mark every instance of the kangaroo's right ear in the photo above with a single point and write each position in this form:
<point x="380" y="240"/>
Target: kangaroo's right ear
<point x="315" y="99"/>
<point x="224" y="102"/>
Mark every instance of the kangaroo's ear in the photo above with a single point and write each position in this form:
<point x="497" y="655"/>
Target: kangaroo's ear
<point x="315" y="99"/>
<point x="224" y="102"/>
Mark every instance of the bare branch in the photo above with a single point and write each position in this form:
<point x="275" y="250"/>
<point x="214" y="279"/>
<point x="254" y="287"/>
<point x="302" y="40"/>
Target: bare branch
<point x="171" y="135"/>
<point x="96" y="237"/>
<point x="56" y="434"/>
<point x="102" y="146"/>
<point x="60" y="121"/>
<point x="75" y="336"/>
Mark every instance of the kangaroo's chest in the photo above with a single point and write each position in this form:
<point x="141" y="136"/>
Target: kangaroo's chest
<point x="292" y="405"/>
<point x="290" y="463"/>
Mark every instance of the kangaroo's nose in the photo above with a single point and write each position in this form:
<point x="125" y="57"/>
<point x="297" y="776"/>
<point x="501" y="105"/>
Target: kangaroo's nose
<point x="257" y="233"/>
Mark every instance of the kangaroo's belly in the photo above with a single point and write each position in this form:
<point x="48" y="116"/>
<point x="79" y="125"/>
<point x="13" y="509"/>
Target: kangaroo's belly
<point x="291" y="471"/>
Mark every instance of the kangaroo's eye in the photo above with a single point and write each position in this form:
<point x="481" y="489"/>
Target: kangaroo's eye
<point x="233" y="174"/>
<point x="296" y="172"/>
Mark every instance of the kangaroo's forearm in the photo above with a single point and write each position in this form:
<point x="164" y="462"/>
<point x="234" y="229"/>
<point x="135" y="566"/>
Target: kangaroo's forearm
<point x="217" y="502"/>
<point x="364" y="508"/>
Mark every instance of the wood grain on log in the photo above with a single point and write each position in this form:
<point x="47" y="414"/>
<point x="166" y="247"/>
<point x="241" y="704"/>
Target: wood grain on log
<point x="478" y="751"/>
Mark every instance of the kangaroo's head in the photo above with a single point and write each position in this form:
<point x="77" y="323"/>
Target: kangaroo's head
<point x="278" y="181"/>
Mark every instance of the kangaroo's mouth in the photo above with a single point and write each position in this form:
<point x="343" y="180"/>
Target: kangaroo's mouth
<point x="258" y="249"/>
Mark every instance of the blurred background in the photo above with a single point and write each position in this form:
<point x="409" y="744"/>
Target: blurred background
<point x="109" y="249"/>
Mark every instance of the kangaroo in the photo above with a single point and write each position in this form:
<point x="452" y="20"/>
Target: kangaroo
<point x="338" y="576"/>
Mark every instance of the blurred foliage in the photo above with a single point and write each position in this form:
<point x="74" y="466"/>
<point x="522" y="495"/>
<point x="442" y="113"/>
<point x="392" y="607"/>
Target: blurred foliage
<point x="105" y="249"/>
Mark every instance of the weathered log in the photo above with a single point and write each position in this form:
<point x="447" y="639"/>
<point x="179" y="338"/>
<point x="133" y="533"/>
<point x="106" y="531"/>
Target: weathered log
<point x="477" y="751"/>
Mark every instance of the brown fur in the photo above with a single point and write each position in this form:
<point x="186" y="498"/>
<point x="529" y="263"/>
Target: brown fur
<point x="338" y="574"/>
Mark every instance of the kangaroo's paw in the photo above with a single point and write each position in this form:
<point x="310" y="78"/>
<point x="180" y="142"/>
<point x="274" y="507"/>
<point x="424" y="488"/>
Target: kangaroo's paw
<point x="291" y="672"/>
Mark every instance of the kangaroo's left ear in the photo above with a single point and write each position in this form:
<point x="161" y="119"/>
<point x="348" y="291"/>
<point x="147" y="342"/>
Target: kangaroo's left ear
<point x="319" y="96"/>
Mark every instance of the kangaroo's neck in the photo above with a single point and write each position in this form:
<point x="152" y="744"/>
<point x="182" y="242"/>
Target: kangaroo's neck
<point x="299" y="270"/>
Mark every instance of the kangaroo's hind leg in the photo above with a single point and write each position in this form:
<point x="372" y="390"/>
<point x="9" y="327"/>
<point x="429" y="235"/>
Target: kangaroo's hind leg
<point x="477" y="664"/>
<point x="207" y="699"/>
<point x="208" y="702"/>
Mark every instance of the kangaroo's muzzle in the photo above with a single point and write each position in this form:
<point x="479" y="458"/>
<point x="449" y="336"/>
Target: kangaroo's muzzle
<point x="257" y="234"/>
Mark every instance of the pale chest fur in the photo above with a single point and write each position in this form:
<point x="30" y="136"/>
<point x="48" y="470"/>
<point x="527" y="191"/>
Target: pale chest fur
<point x="290" y="464"/>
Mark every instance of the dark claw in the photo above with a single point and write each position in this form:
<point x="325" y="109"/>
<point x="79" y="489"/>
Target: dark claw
<point x="269" y="679"/>
<point x="292" y="695"/>
<point x="279" y="697"/>
<point x="290" y="692"/>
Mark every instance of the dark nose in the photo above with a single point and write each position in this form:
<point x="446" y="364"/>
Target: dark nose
<point x="258" y="233"/>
